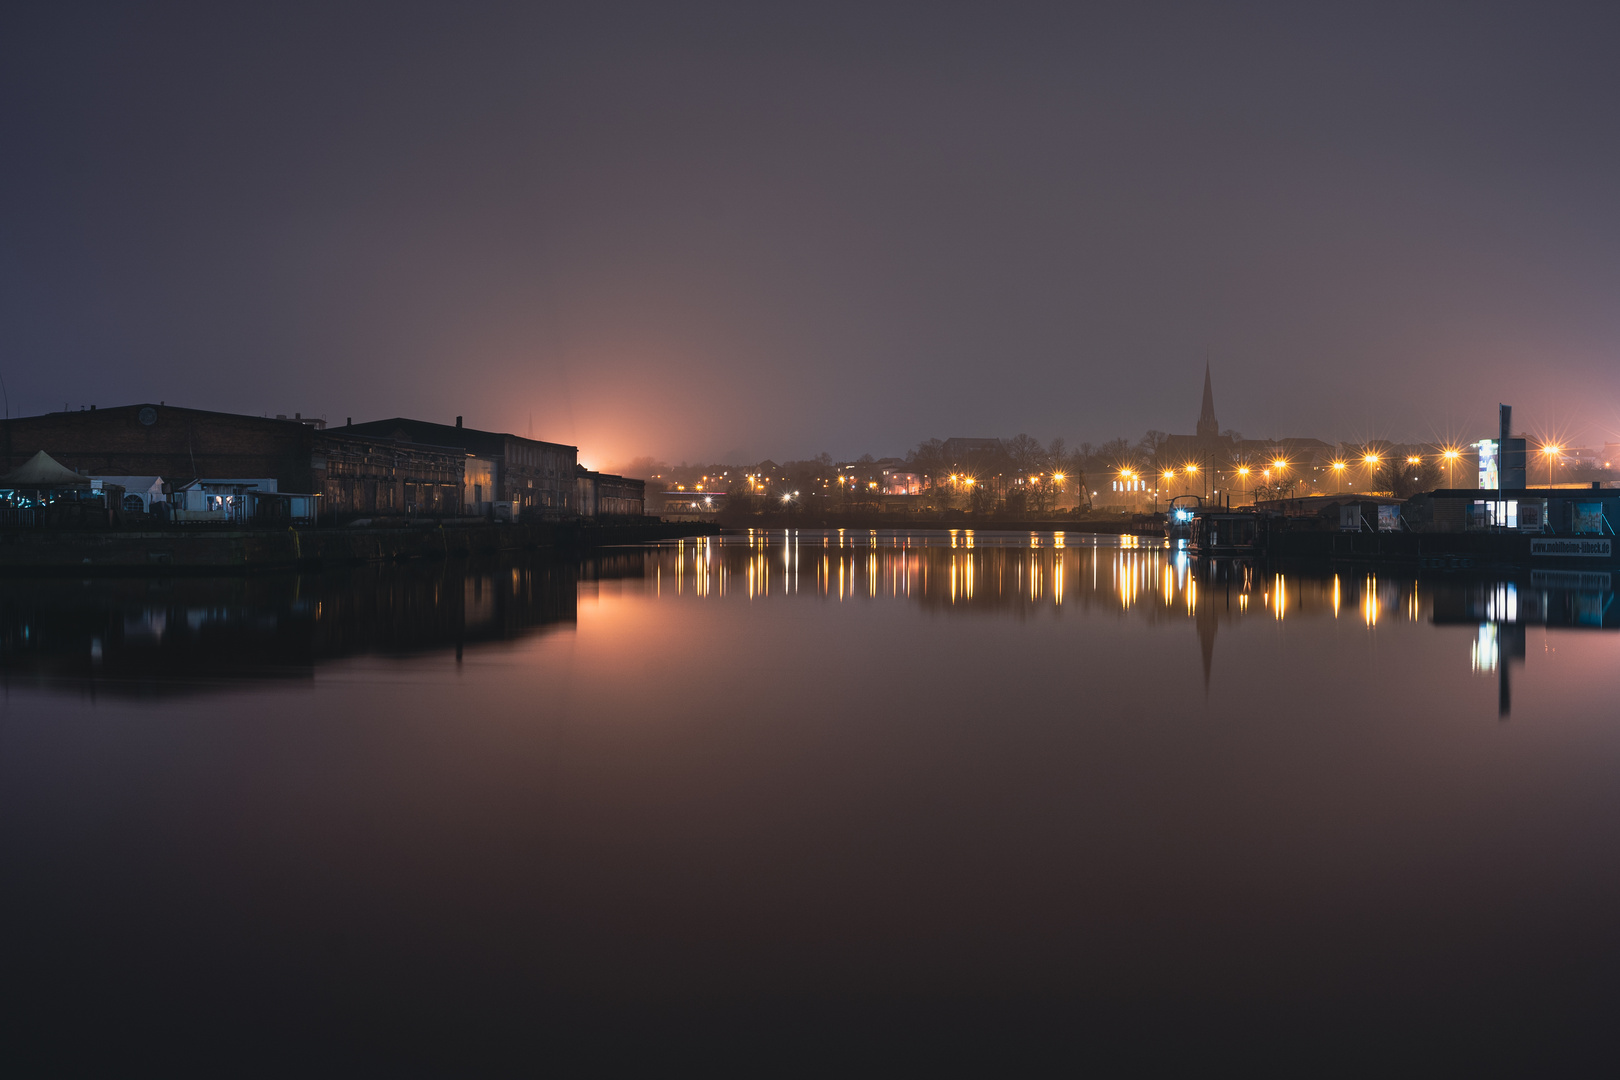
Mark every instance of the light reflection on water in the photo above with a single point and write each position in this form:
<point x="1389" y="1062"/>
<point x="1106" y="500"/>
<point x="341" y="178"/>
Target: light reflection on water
<point x="164" y="636"/>
<point x="1026" y="574"/>
<point x="1021" y="771"/>
<point x="1000" y="571"/>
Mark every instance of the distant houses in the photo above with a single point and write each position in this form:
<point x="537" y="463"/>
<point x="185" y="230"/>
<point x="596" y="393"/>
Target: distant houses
<point x="187" y="461"/>
<point x="1225" y="468"/>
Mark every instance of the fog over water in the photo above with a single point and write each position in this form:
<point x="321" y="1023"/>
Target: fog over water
<point x="787" y="781"/>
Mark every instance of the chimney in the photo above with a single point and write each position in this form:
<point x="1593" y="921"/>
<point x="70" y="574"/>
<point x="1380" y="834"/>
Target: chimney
<point x="298" y="416"/>
<point x="458" y="421"/>
<point x="348" y="421"/>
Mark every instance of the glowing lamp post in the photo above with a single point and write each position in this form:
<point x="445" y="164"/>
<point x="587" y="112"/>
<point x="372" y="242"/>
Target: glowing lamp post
<point x="1450" y="456"/>
<point x="1338" y="476"/>
<point x="1551" y="453"/>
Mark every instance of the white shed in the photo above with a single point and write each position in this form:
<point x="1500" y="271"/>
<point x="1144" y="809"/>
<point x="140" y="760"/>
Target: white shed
<point x="147" y="489"/>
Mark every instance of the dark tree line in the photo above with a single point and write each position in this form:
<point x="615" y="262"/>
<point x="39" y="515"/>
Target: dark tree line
<point x="1020" y="474"/>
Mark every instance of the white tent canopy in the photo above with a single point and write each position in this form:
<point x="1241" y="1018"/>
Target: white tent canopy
<point x="42" y="471"/>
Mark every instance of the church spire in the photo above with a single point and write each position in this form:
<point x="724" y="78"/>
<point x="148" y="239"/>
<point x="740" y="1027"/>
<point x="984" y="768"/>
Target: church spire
<point x="1208" y="428"/>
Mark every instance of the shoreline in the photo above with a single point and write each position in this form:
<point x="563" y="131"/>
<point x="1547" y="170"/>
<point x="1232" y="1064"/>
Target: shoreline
<point x="204" y="550"/>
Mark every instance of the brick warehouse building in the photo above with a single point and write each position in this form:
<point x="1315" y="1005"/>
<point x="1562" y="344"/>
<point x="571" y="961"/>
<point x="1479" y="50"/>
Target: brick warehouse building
<point x="354" y="473"/>
<point x="538" y="478"/>
<point x="604" y="495"/>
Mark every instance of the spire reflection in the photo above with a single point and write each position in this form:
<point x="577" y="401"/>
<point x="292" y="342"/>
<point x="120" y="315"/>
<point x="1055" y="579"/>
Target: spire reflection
<point x="1021" y="574"/>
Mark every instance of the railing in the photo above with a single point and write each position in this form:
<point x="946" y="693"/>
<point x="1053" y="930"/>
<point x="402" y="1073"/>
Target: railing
<point x="19" y="517"/>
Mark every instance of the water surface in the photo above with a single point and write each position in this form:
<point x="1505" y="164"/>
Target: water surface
<point x="990" y="792"/>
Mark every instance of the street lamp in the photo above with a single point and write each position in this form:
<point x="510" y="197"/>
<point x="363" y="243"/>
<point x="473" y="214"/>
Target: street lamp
<point x="1450" y="454"/>
<point x="1338" y="476"/>
<point x="1243" y="474"/>
<point x="1191" y="469"/>
<point x="1551" y="453"/>
<point x="1278" y="466"/>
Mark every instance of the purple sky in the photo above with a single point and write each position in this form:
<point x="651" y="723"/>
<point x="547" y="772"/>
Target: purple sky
<point x="701" y="231"/>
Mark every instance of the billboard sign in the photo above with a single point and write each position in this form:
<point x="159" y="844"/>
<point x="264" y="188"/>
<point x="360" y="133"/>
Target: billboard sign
<point x="1489" y="472"/>
<point x="1587" y="517"/>
<point x="1578" y="547"/>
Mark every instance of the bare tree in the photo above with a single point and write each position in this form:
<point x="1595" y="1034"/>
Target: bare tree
<point x="1403" y="479"/>
<point x="1116" y="451"/>
<point x="1026" y="455"/>
<point x="1149" y="444"/>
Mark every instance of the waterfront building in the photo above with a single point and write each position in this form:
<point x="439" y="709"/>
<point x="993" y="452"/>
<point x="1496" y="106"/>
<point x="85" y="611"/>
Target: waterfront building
<point x="353" y="474"/>
<point x="478" y="485"/>
<point x="1590" y="511"/>
<point x="140" y="492"/>
<point x="538" y="478"/>
<point x="216" y="499"/>
<point x="605" y="495"/>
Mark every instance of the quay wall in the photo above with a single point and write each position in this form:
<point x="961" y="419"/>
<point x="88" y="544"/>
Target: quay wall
<point x="1104" y="524"/>
<point x="208" y="550"/>
<point x="1484" y="551"/>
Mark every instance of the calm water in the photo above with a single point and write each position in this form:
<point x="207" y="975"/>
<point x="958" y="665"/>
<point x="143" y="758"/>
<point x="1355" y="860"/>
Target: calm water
<point x="790" y="794"/>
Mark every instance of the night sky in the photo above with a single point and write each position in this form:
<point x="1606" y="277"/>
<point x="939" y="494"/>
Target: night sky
<point x="698" y="231"/>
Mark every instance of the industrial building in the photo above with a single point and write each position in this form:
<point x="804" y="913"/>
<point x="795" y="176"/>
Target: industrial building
<point x="604" y="495"/>
<point x="352" y="474"/>
<point x="537" y="478"/>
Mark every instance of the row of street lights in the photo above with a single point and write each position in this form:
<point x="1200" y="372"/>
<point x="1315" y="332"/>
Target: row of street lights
<point x="1449" y="456"/>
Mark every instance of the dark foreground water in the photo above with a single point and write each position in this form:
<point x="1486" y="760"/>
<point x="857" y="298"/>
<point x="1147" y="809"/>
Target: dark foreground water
<point x="845" y="802"/>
